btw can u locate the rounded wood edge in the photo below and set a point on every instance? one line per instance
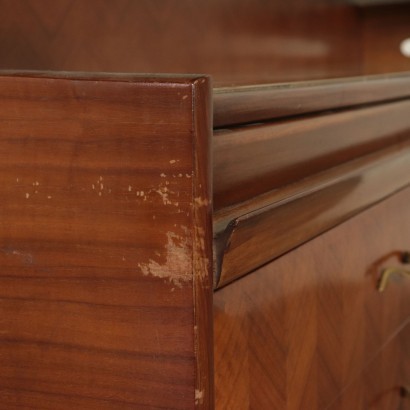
(269, 226)
(202, 242)
(251, 160)
(246, 104)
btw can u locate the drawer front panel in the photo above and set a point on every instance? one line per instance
(296, 332)
(384, 384)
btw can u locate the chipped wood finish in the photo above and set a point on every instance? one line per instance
(203, 245)
(257, 231)
(296, 333)
(105, 284)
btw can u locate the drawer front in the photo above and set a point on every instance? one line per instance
(385, 383)
(296, 332)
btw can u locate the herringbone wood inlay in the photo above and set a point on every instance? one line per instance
(298, 332)
(378, 386)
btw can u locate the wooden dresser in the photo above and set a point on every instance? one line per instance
(232, 241)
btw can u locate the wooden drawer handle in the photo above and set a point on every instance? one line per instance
(386, 273)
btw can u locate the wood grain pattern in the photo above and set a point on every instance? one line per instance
(246, 104)
(379, 386)
(202, 244)
(251, 160)
(104, 249)
(296, 332)
(254, 233)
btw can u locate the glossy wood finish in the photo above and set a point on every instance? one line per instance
(297, 332)
(202, 253)
(249, 161)
(105, 285)
(245, 104)
(106, 210)
(258, 231)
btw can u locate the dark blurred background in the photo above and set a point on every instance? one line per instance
(236, 41)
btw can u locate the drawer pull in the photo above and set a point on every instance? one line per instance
(385, 276)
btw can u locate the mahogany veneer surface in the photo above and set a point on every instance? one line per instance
(106, 205)
(253, 103)
(297, 332)
(379, 386)
(251, 160)
(104, 242)
(261, 229)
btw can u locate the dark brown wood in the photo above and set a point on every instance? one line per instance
(377, 2)
(105, 284)
(384, 28)
(246, 41)
(297, 332)
(240, 42)
(245, 104)
(249, 161)
(258, 231)
(202, 254)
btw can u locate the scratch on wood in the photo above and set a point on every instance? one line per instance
(177, 266)
(201, 261)
(201, 202)
(26, 257)
(163, 192)
(199, 396)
